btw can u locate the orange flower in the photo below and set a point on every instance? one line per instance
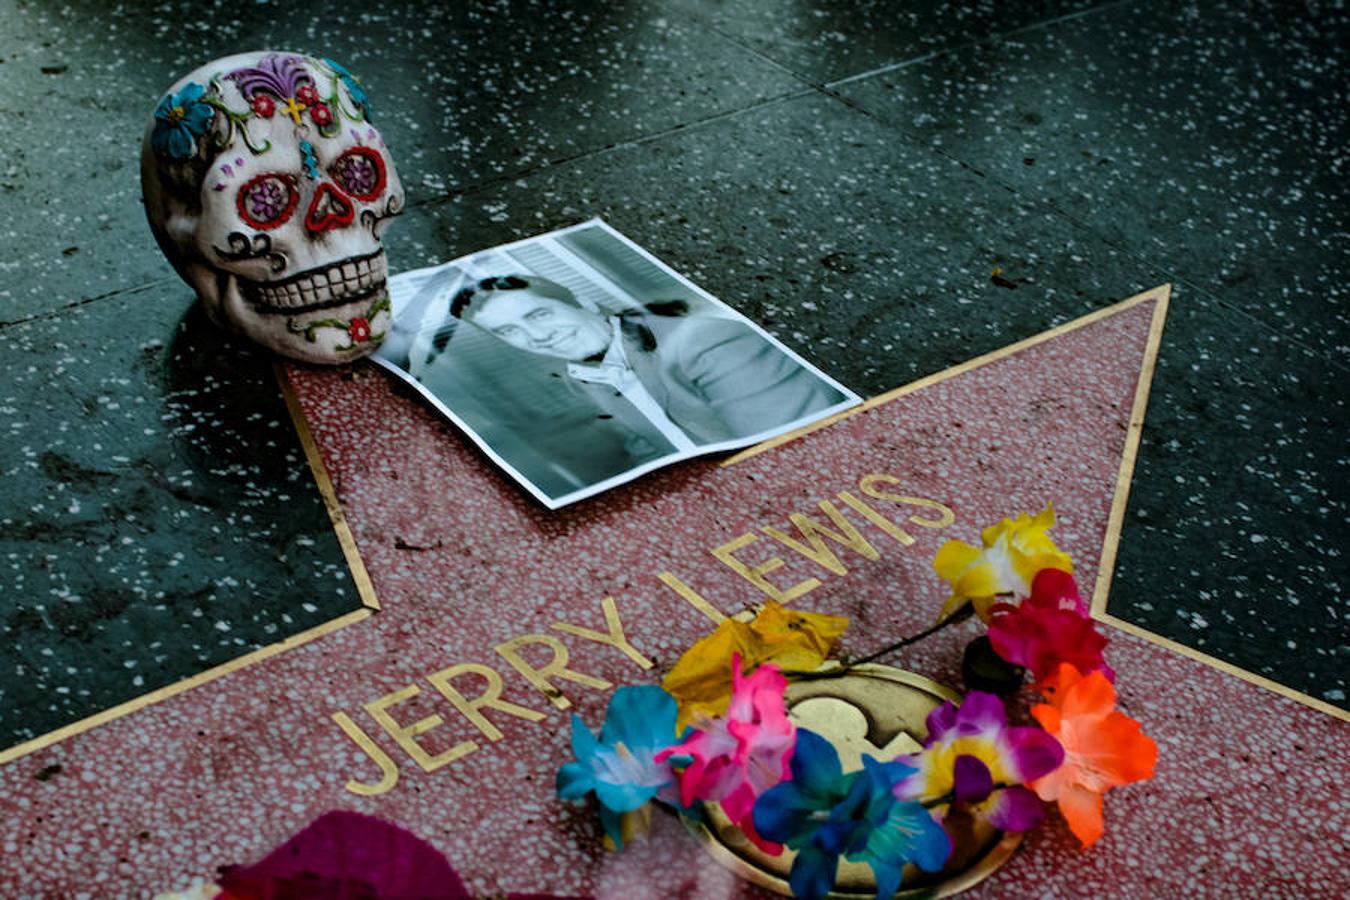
(1102, 748)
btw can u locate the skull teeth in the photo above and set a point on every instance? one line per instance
(346, 282)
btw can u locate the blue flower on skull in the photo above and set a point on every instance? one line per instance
(180, 119)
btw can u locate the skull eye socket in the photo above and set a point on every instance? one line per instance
(359, 172)
(267, 201)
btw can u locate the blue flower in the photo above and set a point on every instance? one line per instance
(354, 88)
(620, 767)
(824, 814)
(180, 119)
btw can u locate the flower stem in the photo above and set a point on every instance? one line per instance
(846, 663)
(960, 615)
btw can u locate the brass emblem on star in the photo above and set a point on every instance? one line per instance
(879, 711)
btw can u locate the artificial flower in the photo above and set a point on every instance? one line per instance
(1103, 748)
(264, 105)
(1049, 627)
(180, 119)
(736, 758)
(354, 88)
(621, 767)
(306, 94)
(792, 640)
(346, 854)
(971, 756)
(823, 814)
(321, 114)
(1014, 551)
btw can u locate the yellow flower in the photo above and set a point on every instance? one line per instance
(792, 640)
(1013, 552)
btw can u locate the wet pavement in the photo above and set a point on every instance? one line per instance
(890, 188)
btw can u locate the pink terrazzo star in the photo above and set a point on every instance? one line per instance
(1246, 797)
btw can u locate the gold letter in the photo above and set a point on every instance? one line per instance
(755, 574)
(813, 531)
(694, 598)
(556, 667)
(945, 515)
(877, 519)
(490, 698)
(614, 639)
(405, 735)
(388, 771)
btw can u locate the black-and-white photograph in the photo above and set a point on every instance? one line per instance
(578, 361)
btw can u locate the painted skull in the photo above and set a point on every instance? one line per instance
(269, 190)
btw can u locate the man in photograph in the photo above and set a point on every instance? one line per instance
(699, 379)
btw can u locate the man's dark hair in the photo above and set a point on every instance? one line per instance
(459, 304)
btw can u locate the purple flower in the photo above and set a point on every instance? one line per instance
(357, 174)
(265, 201)
(973, 757)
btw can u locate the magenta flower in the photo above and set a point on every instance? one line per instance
(347, 854)
(972, 757)
(737, 757)
(1048, 628)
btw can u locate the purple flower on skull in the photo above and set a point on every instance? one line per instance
(281, 77)
(266, 200)
(357, 174)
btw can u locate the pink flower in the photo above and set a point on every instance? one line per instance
(1049, 627)
(740, 756)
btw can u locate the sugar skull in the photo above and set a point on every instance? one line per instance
(269, 190)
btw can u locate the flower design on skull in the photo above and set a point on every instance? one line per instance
(353, 85)
(360, 173)
(278, 233)
(180, 119)
(277, 78)
(267, 200)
